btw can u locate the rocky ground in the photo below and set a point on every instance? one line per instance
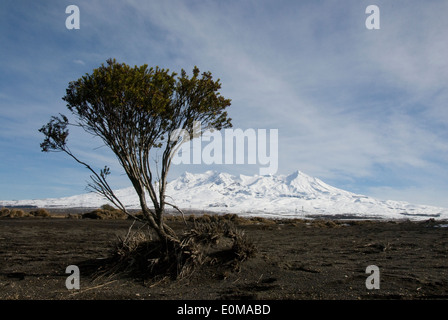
(296, 259)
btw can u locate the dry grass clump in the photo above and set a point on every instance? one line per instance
(42, 213)
(229, 217)
(220, 241)
(4, 212)
(213, 218)
(212, 244)
(13, 213)
(325, 223)
(19, 213)
(105, 212)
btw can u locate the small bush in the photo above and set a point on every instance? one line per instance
(19, 213)
(4, 212)
(103, 214)
(108, 207)
(217, 243)
(221, 236)
(43, 213)
(13, 213)
(96, 214)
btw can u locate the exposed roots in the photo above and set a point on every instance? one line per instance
(139, 256)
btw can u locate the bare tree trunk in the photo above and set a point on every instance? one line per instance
(167, 235)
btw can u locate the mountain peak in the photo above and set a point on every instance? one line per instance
(297, 174)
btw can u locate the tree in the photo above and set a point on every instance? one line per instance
(135, 111)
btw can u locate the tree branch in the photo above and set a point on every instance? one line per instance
(177, 208)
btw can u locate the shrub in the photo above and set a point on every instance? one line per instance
(4, 212)
(216, 233)
(218, 242)
(40, 213)
(19, 213)
(108, 207)
(13, 213)
(103, 214)
(74, 216)
(96, 214)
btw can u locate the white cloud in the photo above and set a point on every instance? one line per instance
(301, 72)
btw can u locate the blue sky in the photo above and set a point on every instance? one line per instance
(363, 110)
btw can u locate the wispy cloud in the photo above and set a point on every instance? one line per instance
(79, 62)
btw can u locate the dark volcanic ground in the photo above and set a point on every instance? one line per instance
(296, 259)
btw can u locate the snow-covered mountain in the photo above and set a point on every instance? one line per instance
(294, 195)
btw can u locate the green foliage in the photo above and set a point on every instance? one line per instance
(138, 107)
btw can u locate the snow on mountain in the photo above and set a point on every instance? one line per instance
(294, 195)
